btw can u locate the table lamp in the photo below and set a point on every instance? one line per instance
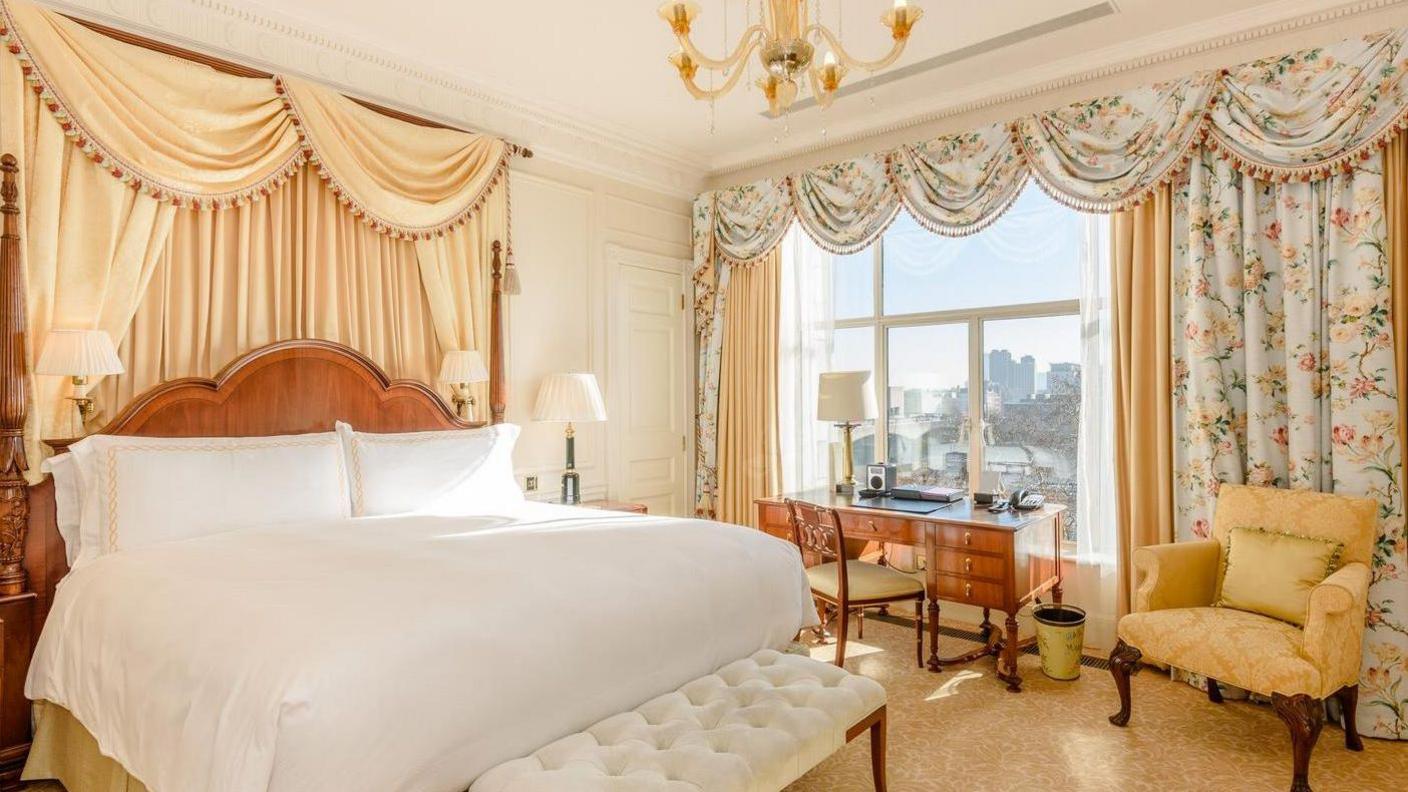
(847, 398)
(79, 354)
(570, 397)
(458, 369)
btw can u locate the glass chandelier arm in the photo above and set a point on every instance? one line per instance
(750, 40)
(704, 93)
(856, 63)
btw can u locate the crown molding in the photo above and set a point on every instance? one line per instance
(281, 45)
(1248, 25)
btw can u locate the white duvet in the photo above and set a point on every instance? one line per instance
(399, 653)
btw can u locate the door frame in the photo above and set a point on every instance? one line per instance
(617, 257)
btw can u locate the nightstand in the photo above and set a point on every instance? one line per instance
(611, 505)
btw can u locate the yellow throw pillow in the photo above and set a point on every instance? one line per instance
(1272, 573)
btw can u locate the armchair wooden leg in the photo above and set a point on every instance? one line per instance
(1214, 693)
(1304, 716)
(1124, 663)
(860, 623)
(1348, 698)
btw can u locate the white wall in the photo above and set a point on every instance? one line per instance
(563, 221)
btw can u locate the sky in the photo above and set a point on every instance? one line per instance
(1031, 254)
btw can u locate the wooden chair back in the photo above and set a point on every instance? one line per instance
(817, 532)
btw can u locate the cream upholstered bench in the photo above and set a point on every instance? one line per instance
(755, 725)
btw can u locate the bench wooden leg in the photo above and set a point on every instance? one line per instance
(875, 723)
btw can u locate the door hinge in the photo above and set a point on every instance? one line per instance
(681, 302)
(684, 443)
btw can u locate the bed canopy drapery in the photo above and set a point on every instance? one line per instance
(117, 144)
(1301, 134)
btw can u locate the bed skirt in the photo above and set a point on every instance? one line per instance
(64, 751)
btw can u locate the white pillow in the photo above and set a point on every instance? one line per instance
(460, 471)
(68, 500)
(144, 490)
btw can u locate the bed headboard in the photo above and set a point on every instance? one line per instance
(289, 387)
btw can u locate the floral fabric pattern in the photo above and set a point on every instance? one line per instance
(1313, 111)
(958, 184)
(1107, 153)
(750, 220)
(1284, 371)
(846, 205)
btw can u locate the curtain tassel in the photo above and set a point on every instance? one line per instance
(511, 284)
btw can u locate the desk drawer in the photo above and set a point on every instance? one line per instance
(772, 518)
(878, 528)
(975, 539)
(974, 592)
(973, 565)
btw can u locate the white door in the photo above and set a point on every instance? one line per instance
(647, 401)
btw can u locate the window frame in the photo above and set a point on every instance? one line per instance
(973, 318)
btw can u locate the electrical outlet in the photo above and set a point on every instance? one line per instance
(531, 484)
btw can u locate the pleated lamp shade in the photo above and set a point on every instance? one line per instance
(78, 353)
(569, 397)
(462, 365)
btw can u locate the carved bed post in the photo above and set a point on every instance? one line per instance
(14, 490)
(498, 399)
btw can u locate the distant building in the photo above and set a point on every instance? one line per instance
(1016, 379)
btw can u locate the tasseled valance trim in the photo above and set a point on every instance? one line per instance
(365, 214)
(304, 154)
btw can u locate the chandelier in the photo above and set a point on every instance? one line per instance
(786, 46)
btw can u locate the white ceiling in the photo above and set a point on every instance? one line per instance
(551, 72)
(604, 61)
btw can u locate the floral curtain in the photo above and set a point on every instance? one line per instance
(1284, 370)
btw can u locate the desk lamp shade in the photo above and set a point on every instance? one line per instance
(843, 396)
(846, 397)
(570, 397)
(458, 369)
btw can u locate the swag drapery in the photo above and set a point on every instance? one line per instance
(1286, 153)
(223, 212)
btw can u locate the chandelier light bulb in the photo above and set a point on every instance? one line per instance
(829, 59)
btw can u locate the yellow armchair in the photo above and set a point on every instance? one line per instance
(1175, 620)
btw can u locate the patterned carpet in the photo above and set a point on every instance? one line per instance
(962, 730)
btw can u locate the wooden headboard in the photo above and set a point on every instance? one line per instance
(289, 387)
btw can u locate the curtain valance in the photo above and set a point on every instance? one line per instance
(189, 135)
(1297, 117)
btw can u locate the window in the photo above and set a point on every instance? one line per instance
(976, 344)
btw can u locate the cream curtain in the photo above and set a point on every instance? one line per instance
(455, 270)
(1396, 220)
(295, 265)
(750, 456)
(90, 245)
(1140, 248)
(178, 128)
(418, 178)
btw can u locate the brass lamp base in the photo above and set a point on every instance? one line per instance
(847, 484)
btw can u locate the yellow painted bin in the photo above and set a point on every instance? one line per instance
(1060, 635)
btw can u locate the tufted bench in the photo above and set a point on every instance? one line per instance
(755, 725)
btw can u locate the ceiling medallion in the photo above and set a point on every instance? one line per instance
(786, 46)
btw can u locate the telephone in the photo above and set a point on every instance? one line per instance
(1023, 499)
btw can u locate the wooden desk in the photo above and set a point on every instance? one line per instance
(996, 561)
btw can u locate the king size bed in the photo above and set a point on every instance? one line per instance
(263, 599)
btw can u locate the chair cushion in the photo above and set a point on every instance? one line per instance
(1272, 573)
(865, 581)
(1248, 650)
(756, 724)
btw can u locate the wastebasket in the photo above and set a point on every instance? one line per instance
(1060, 634)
